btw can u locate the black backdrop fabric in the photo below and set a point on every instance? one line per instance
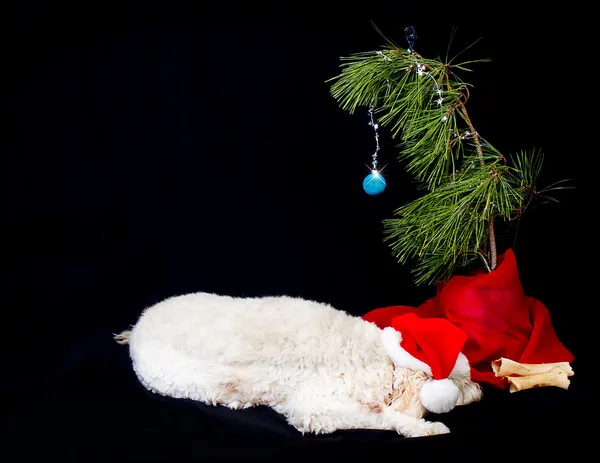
(152, 150)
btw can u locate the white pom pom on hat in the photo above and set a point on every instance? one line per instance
(434, 346)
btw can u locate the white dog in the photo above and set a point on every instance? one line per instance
(321, 368)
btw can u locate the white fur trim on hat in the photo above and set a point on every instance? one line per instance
(391, 340)
(461, 367)
(439, 396)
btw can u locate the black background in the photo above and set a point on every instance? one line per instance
(153, 149)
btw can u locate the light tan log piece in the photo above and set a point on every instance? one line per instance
(557, 377)
(521, 376)
(506, 367)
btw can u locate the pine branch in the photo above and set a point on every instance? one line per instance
(467, 183)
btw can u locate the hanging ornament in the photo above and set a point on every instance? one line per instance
(374, 183)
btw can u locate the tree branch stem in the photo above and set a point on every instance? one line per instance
(477, 141)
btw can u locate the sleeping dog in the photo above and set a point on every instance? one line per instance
(320, 367)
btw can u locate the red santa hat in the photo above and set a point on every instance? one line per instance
(434, 346)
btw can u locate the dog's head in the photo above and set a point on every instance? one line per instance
(408, 385)
(415, 389)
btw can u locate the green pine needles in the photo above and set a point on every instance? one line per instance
(467, 184)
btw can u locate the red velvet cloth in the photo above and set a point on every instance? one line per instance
(499, 320)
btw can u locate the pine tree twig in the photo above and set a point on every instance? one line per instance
(492, 237)
(485, 261)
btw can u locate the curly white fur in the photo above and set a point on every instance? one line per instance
(321, 368)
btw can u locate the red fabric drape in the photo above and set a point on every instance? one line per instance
(499, 320)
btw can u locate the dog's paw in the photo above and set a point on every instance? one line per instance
(424, 428)
(438, 428)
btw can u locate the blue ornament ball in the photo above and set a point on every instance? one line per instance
(374, 183)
